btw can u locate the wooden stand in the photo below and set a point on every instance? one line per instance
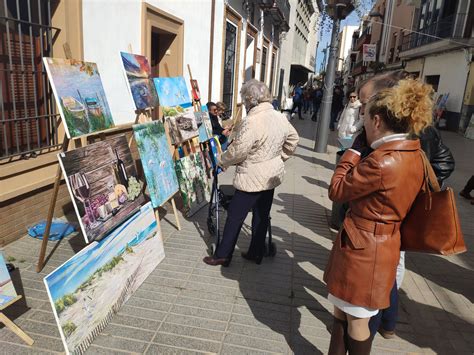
(12, 326)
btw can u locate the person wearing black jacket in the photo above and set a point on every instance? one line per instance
(217, 129)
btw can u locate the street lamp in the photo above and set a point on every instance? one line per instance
(337, 10)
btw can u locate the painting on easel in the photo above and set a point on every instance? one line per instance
(157, 161)
(193, 183)
(103, 184)
(88, 289)
(7, 290)
(138, 73)
(80, 96)
(181, 122)
(173, 92)
(204, 125)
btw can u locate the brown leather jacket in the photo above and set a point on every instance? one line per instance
(380, 190)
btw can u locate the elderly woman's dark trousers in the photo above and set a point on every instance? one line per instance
(241, 204)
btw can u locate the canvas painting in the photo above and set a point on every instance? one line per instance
(88, 289)
(138, 73)
(173, 92)
(181, 122)
(193, 183)
(7, 290)
(204, 126)
(103, 184)
(157, 161)
(79, 95)
(195, 90)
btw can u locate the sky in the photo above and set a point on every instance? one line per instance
(325, 36)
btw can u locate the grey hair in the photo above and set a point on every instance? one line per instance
(254, 92)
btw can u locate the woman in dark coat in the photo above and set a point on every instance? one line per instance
(380, 190)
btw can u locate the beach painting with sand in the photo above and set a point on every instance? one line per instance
(88, 289)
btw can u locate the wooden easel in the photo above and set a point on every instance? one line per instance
(12, 326)
(196, 103)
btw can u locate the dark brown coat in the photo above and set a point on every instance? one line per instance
(380, 190)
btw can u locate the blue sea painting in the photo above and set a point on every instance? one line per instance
(80, 96)
(138, 72)
(90, 287)
(7, 290)
(157, 161)
(173, 92)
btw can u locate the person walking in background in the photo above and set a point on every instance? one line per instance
(466, 192)
(349, 122)
(317, 99)
(362, 265)
(262, 143)
(307, 99)
(297, 100)
(336, 107)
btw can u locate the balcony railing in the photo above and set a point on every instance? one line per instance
(364, 38)
(279, 10)
(448, 27)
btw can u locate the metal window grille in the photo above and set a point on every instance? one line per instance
(28, 121)
(263, 68)
(229, 66)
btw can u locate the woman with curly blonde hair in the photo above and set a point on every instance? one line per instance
(380, 189)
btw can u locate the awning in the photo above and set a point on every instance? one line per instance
(302, 67)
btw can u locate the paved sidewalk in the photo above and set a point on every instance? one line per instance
(280, 306)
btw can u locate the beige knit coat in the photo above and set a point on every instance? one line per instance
(263, 141)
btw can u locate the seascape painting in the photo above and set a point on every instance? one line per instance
(138, 73)
(79, 95)
(103, 184)
(193, 183)
(157, 161)
(204, 126)
(88, 289)
(7, 289)
(173, 92)
(181, 122)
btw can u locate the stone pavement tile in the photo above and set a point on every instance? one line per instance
(198, 286)
(269, 307)
(142, 312)
(164, 350)
(185, 262)
(155, 296)
(149, 304)
(215, 297)
(258, 313)
(41, 341)
(128, 332)
(18, 349)
(176, 275)
(192, 332)
(257, 332)
(200, 312)
(164, 281)
(262, 322)
(113, 342)
(97, 350)
(30, 326)
(191, 321)
(136, 322)
(150, 286)
(43, 316)
(212, 305)
(256, 343)
(186, 342)
(236, 350)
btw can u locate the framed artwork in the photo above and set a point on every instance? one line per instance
(79, 95)
(138, 73)
(157, 161)
(204, 125)
(181, 122)
(193, 182)
(88, 289)
(195, 90)
(7, 289)
(103, 184)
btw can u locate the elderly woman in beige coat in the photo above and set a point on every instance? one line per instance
(263, 141)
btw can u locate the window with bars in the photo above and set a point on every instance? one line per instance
(263, 69)
(28, 122)
(229, 66)
(272, 71)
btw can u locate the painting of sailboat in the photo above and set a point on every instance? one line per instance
(138, 74)
(173, 92)
(80, 96)
(88, 289)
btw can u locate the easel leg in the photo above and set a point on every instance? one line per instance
(49, 219)
(15, 329)
(175, 211)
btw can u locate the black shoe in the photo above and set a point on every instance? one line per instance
(210, 260)
(257, 259)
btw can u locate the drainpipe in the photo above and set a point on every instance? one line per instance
(211, 50)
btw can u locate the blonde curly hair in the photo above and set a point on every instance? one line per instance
(405, 108)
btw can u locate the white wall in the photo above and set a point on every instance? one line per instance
(103, 40)
(453, 69)
(345, 45)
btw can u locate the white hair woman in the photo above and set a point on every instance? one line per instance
(263, 141)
